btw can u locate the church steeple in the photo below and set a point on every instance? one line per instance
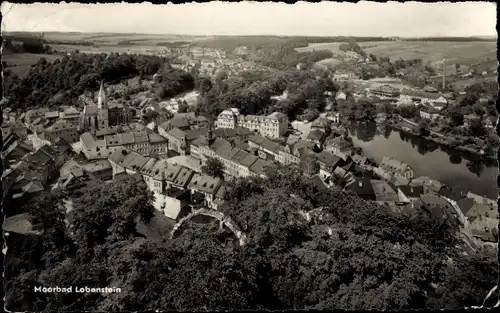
(101, 98)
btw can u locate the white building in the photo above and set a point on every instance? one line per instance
(275, 125)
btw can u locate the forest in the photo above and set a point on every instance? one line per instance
(251, 92)
(308, 247)
(64, 80)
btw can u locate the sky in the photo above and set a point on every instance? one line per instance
(408, 19)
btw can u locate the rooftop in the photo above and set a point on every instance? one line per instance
(412, 192)
(393, 164)
(183, 177)
(205, 183)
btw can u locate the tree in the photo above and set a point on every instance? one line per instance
(203, 85)
(430, 69)
(476, 128)
(183, 107)
(213, 167)
(456, 119)
(423, 127)
(478, 109)
(110, 212)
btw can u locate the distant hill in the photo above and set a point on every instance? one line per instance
(455, 39)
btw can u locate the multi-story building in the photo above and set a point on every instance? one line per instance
(206, 185)
(275, 125)
(385, 91)
(327, 163)
(31, 115)
(61, 129)
(397, 168)
(173, 186)
(237, 162)
(266, 148)
(138, 141)
(292, 152)
(339, 146)
(233, 133)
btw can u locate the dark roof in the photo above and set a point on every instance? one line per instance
(361, 186)
(240, 155)
(259, 166)
(267, 143)
(465, 205)
(183, 177)
(192, 134)
(180, 122)
(328, 158)
(204, 183)
(451, 194)
(412, 192)
(316, 134)
(429, 199)
(220, 193)
(219, 143)
(488, 236)
(248, 160)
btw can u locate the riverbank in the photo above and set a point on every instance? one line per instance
(446, 141)
(459, 170)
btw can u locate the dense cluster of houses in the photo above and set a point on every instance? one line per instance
(211, 66)
(40, 143)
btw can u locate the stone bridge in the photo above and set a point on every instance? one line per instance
(226, 220)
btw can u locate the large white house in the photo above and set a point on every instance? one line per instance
(275, 125)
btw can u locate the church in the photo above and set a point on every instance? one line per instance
(102, 115)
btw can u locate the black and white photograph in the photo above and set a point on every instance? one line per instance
(228, 156)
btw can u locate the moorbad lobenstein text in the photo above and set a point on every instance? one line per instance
(76, 289)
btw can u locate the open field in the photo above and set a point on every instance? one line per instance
(455, 52)
(465, 53)
(328, 62)
(461, 84)
(109, 38)
(20, 63)
(332, 46)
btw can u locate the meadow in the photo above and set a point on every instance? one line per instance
(328, 62)
(106, 38)
(20, 63)
(466, 53)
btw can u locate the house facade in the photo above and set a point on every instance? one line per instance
(397, 168)
(275, 125)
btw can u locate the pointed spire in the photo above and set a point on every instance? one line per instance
(101, 100)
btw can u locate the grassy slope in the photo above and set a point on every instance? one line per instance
(466, 53)
(20, 63)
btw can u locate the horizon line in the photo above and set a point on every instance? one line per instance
(247, 35)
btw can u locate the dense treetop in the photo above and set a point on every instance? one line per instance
(62, 81)
(349, 253)
(251, 92)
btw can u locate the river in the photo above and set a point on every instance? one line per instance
(455, 169)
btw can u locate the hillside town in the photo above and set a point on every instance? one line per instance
(67, 148)
(157, 171)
